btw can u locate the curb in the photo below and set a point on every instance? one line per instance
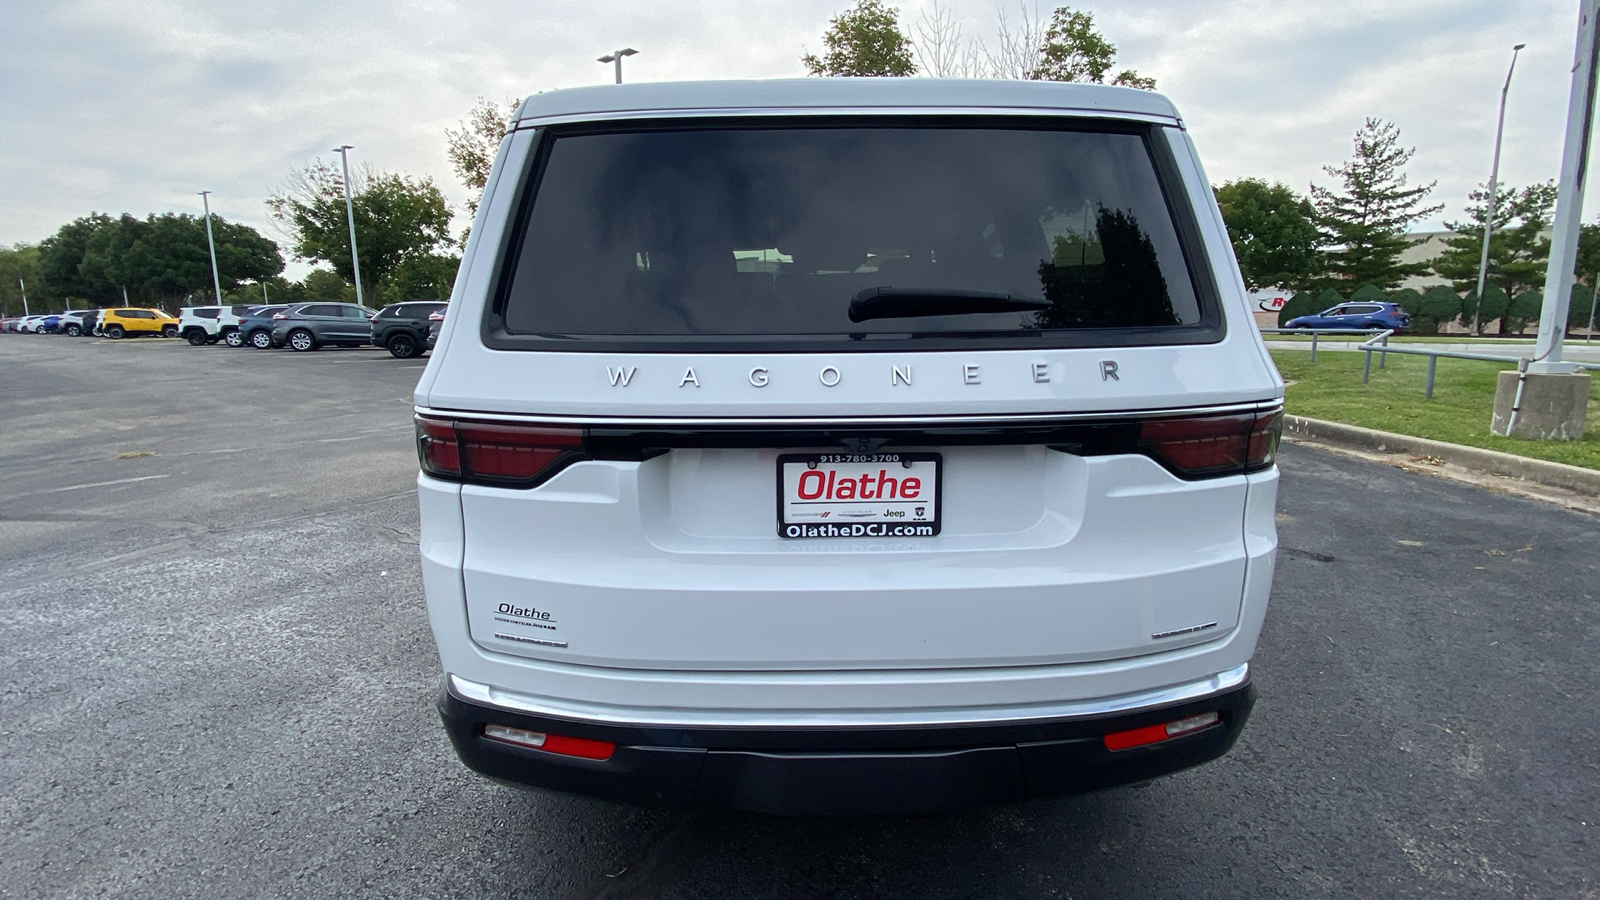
(1491, 462)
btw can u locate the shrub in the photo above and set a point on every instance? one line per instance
(1524, 308)
(1370, 294)
(1439, 306)
(1301, 304)
(1494, 305)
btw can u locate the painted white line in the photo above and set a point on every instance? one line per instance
(79, 487)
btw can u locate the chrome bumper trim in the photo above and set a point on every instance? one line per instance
(485, 695)
(961, 420)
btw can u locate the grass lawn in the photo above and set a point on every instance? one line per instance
(1488, 343)
(1463, 400)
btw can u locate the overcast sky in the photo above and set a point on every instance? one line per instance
(135, 105)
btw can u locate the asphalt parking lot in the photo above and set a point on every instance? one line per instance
(218, 681)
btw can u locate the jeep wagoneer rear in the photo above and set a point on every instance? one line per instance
(846, 445)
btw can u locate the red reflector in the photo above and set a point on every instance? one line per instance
(583, 748)
(492, 453)
(1213, 445)
(1154, 734)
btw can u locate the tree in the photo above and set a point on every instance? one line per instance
(397, 218)
(473, 146)
(19, 266)
(1494, 305)
(1370, 294)
(1073, 50)
(1301, 304)
(1439, 306)
(1518, 252)
(425, 277)
(1068, 48)
(1524, 308)
(163, 259)
(865, 40)
(61, 259)
(323, 284)
(1272, 231)
(1365, 222)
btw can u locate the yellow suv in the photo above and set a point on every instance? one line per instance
(117, 323)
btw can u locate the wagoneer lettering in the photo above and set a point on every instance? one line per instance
(794, 577)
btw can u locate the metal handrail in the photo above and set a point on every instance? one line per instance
(1369, 347)
(1317, 332)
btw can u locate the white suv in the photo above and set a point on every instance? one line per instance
(201, 325)
(846, 446)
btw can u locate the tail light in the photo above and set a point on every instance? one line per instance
(582, 748)
(1155, 734)
(1210, 446)
(495, 454)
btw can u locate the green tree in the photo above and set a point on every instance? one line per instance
(1073, 50)
(1409, 300)
(1272, 231)
(1518, 252)
(1301, 304)
(165, 259)
(61, 277)
(397, 218)
(472, 147)
(1494, 305)
(427, 277)
(1439, 306)
(1581, 306)
(1524, 308)
(323, 284)
(864, 40)
(1370, 293)
(19, 267)
(1367, 218)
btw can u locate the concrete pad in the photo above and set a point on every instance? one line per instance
(1552, 407)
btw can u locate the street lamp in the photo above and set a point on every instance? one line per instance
(1494, 185)
(616, 57)
(216, 282)
(350, 216)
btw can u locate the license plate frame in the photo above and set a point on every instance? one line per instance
(801, 516)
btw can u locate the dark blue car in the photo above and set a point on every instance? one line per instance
(255, 326)
(1356, 315)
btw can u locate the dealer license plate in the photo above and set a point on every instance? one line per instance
(858, 495)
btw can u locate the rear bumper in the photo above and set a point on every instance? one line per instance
(840, 770)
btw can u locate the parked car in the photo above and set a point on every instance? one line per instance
(902, 445)
(131, 321)
(1356, 315)
(47, 323)
(307, 326)
(91, 322)
(435, 322)
(255, 326)
(403, 327)
(71, 323)
(208, 324)
(30, 325)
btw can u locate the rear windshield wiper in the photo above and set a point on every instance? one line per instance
(900, 303)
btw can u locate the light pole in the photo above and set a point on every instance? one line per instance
(350, 215)
(1494, 186)
(24, 287)
(616, 57)
(205, 197)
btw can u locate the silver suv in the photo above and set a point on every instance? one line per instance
(307, 326)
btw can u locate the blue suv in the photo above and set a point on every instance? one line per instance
(1356, 315)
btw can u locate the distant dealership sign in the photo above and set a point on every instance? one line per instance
(1268, 301)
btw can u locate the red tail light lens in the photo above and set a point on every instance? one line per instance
(496, 454)
(1209, 446)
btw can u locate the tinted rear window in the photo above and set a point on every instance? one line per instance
(764, 234)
